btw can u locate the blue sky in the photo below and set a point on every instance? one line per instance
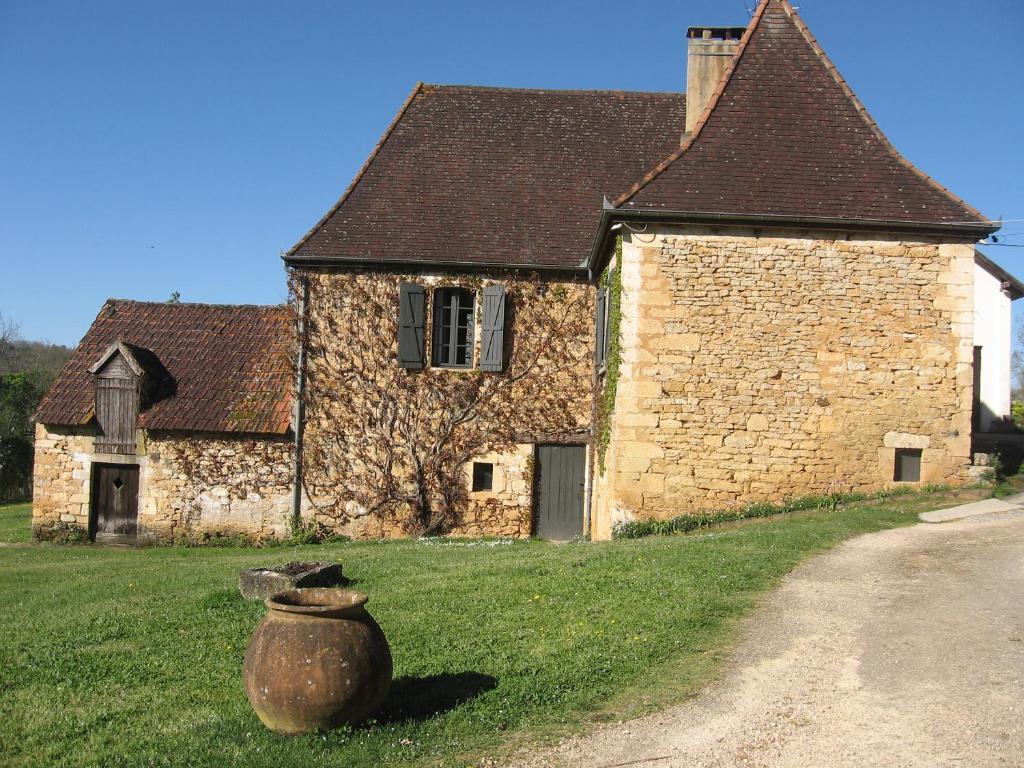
(153, 147)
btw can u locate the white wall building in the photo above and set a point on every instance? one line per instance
(994, 291)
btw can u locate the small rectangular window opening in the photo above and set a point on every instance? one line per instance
(908, 465)
(483, 475)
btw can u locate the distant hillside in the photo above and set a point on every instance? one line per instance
(34, 357)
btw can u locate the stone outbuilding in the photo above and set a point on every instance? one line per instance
(169, 421)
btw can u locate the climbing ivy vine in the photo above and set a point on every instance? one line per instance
(612, 281)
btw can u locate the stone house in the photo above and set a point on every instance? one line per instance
(540, 312)
(169, 421)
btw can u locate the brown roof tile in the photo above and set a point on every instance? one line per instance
(496, 175)
(229, 366)
(784, 135)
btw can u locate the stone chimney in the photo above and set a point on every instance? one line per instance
(710, 52)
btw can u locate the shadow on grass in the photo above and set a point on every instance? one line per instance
(421, 698)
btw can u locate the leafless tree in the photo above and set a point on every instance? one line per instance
(9, 333)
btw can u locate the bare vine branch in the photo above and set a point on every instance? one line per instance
(393, 443)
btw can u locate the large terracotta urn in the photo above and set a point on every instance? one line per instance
(318, 660)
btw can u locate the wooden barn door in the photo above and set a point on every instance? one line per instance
(115, 502)
(559, 484)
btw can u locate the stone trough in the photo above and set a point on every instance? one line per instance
(261, 583)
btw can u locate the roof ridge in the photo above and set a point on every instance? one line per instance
(515, 89)
(361, 172)
(194, 304)
(698, 127)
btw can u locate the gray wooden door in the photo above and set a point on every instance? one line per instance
(559, 484)
(115, 502)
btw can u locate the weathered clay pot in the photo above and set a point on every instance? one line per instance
(317, 660)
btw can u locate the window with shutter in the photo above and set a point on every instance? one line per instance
(601, 342)
(492, 334)
(411, 301)
(453, 327)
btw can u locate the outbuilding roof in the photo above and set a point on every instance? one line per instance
(226, 367)
(473, 176)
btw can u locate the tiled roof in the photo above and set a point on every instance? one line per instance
(229, 367)
(784, 135)
(472, 175)
(494, 175)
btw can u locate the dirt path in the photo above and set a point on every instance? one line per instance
(901, 648)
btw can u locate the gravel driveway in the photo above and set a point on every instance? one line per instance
(900, 648)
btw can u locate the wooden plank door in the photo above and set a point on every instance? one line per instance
(115, 502)
(559, 484)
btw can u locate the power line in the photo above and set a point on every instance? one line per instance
(983, 221)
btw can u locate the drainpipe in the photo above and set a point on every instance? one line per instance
(298, 406)
(591, 477)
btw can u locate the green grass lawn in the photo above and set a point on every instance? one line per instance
(133, 657)
(15, 522)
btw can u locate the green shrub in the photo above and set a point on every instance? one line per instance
(1017, 412)
(693, 521)
(315, 532)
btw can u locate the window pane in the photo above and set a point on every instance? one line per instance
(463, 354)
(445, 331)
(453, 327)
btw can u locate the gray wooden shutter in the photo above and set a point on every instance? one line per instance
(602, 332)
(411, 299)
(492, 337)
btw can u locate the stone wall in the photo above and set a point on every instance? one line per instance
(203, 485)
(759, 368)
(189, 486)
(60, 485)
(506, 509)
(364, 412)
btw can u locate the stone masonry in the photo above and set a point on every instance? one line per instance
(60, 505)
(212, 485)
(507, 510)
(189, 487)
(760, 368)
